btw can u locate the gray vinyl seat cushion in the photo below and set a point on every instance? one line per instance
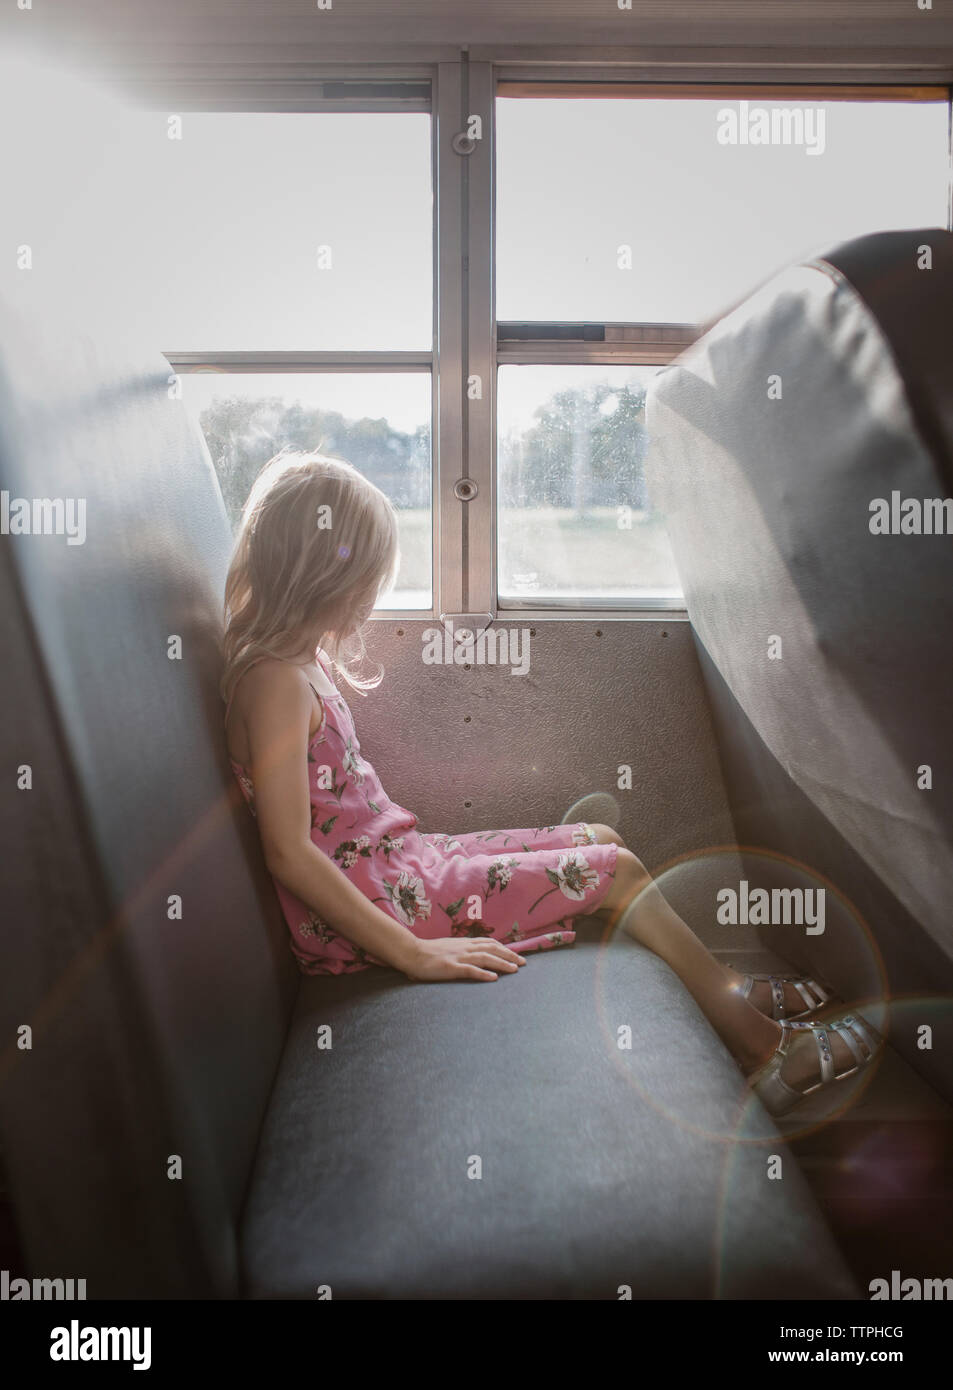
(601, 1167)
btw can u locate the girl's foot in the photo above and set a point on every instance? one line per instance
(765, 996)
(800, 1066)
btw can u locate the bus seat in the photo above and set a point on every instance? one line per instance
(802, 450)
(169, 1125)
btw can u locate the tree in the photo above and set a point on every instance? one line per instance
(587, 448)
(243, 434)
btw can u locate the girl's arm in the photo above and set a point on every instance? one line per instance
(278, 724)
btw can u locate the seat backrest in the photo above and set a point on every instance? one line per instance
(783, 443)
(142, 945)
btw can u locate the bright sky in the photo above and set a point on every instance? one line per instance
(706, 221)
(213, 241)
(403, 398)
(253, 231)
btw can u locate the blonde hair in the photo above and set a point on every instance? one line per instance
(317, 545)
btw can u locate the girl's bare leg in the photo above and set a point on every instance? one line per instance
(636, 906)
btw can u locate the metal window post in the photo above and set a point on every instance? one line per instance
(464, 375)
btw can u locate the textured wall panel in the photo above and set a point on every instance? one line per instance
(522, 750)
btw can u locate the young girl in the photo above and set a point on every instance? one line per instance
(358, 882)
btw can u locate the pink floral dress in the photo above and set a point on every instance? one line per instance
(521, 886)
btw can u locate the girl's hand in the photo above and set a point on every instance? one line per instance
(461, 958)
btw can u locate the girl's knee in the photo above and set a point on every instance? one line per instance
(630, 878)
(630, 869)
(605, 835)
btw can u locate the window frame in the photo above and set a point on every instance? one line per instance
(468, 343)
(326, 95)
(631, 343)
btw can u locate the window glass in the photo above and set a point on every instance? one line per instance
(575, 518)
(293, 231)
(379, 422)
(665, 210)
(252, 232)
